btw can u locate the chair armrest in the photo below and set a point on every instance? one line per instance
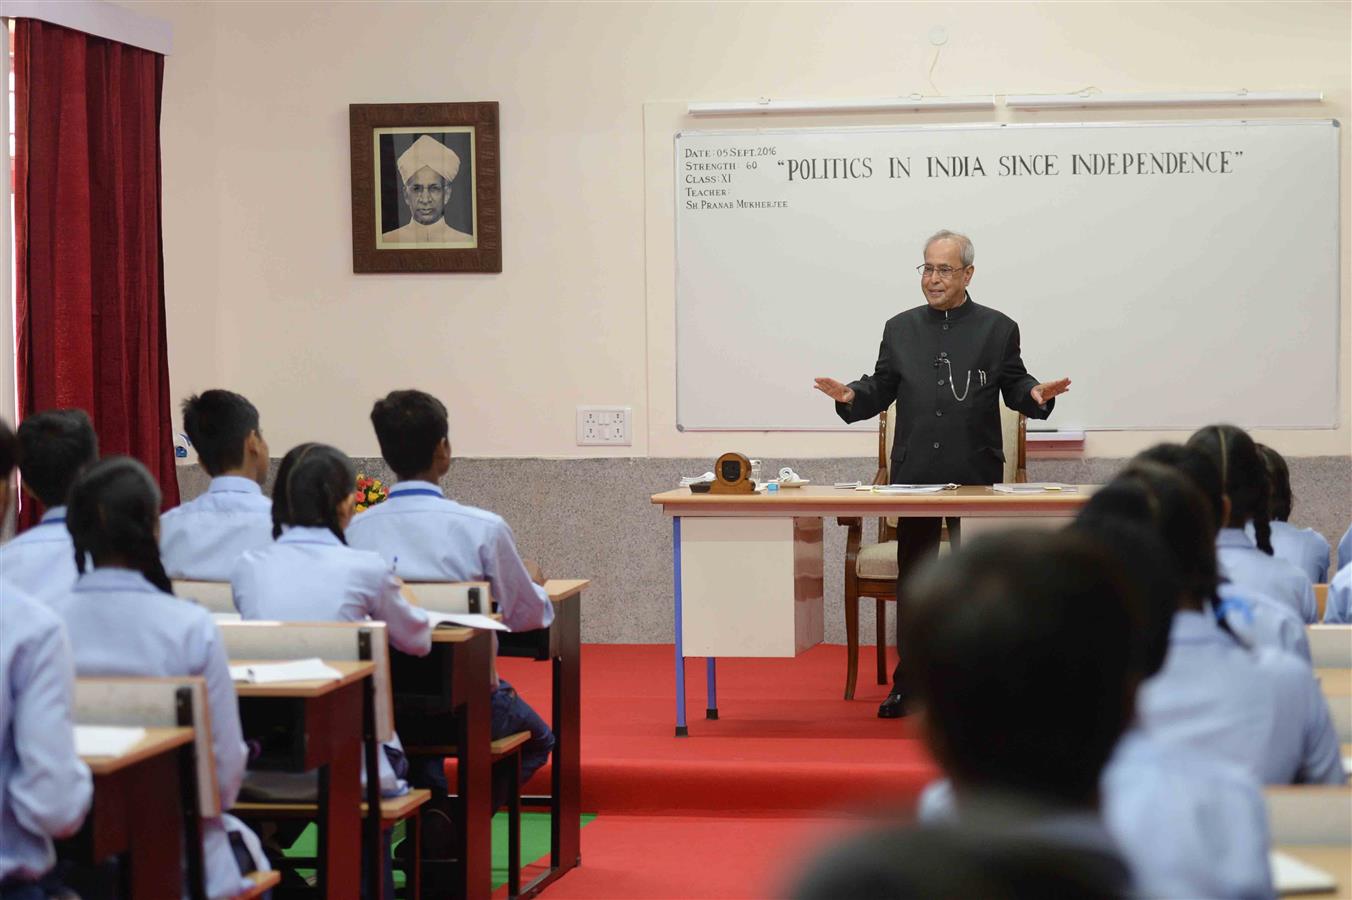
(852, 539)
(850, 521)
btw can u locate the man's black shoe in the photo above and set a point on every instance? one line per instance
(894, 707)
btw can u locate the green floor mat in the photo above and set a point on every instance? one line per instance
(534, 844)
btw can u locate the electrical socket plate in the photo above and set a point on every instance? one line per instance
(608, 425)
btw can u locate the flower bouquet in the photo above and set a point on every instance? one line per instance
(370, 491)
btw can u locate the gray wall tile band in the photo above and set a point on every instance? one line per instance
(591, 518)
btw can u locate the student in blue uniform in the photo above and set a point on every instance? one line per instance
(432, 538)
(1260, 709)
(1304, 548)
(1345, 549)
(1253, 617)
(44, 787)
(310, 574)
(1249, 563)
(1188, 824)
(123, 620)
(1338, 607)
(1024, 696)
(202, 539)
(54, 447)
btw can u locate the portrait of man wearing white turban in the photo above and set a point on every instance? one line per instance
(426, 171)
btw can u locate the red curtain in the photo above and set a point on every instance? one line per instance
(88, 248)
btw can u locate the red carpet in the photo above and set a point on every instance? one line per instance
(738, 807)
(785, 741)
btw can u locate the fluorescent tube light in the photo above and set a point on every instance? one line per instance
(766, 106)
(1198, 98)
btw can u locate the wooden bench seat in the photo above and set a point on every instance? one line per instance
(392, 809)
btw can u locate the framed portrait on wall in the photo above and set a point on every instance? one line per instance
(425, 187)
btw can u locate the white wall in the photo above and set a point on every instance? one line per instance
(261, 296)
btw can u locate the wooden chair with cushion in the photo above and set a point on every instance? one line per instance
(871, 569)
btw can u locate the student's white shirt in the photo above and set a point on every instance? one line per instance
(1186, 825)
(44, 787)
(41, 561)
(1338, 606)
(1304, 548)
(308, 575)
(1345, 549)
(204, 538)
(1264, 622)
(430, 538)
(1251, 569)
(122, 625)
(1259, 709)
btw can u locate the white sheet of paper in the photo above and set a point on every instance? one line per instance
(466, 620)
(1291, 876)
(312, 669)
(106, 740)
(226, 617)
(1032, 487)
(909, 488)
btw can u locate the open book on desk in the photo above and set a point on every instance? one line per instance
(465, 620)
(312, 669)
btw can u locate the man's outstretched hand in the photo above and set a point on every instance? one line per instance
(1047, 390)
(835, 390)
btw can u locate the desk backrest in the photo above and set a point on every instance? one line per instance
(451, 596)
(1321, 599)
(214, 595)
(1310, 814)
(338, 641)
(156, 703)
(1330, 646)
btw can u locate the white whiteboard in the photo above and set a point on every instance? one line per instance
(1170, 299)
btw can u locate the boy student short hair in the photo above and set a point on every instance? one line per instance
(218, 423)
(409, 425)
(1244, 476)
(1279, 477)
(114, 510)
(54, 447)
(1023, 642)
(9, 450)
(312, 481)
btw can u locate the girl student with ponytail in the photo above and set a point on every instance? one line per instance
(1249, 562)
(1260, 709)
(1304, 548)
(123, 620)
(1255, 619)
(310, 574)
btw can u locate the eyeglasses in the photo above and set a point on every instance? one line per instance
(944, 272)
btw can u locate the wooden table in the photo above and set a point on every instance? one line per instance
(305, 725)
(561, 645)
(747, 568)
(138, 811)
(443, 706)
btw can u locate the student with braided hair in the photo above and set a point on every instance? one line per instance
(1304, 548)
(1249, 562)
(1260, 709)
(310, 574)
(1255, 619)
(123, 620)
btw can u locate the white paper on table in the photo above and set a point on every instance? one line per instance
(910, 488)
(226, 617)
(466, 620)
(1033, 487)
(106, 740)
(311, 669)
(1291, 876)
(687, 480)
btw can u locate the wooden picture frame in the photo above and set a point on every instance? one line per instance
(426, 195)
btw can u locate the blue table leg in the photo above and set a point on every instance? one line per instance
(681, 730)
(711, 711)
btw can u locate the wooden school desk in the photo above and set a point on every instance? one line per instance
(747, 568)
(138, 811)
(321, 728)
(561, 645)
(1313, 823)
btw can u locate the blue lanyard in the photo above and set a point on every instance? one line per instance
(413, 492)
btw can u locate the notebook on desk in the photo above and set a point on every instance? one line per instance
(1291, 876)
